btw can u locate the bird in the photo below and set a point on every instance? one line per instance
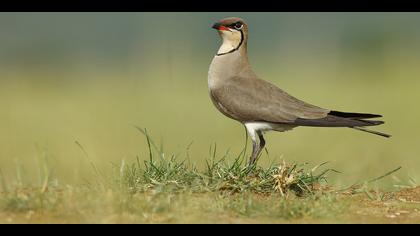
(238, 93)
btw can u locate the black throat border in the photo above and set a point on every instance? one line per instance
(235, 49)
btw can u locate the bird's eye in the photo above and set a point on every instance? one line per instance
(238, 25)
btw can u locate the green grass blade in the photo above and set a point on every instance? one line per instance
(144, 132)
(92, 164)
(385, 175)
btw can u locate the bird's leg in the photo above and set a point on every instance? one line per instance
(257, 148)
(262, 140)
(255, 152)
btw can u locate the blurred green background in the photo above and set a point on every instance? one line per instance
(89, 77)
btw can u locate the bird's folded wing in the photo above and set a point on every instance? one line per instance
(258, 100)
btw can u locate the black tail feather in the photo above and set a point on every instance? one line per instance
(353, 115)
(372, 122)
(372, 132)
(335, 121)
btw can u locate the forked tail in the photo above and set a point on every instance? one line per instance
(352, 120)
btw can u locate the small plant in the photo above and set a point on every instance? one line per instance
(284, 178)
(163, 173)
(295, 178)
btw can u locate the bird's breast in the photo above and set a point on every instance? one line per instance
(222, 68)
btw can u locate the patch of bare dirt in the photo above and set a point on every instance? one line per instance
(395, 207)
(405, 195)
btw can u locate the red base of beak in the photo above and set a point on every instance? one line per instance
(218, 26)
(223, 28)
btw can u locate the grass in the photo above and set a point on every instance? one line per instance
(161, 172)
(164, 184)
(68, 204)
(168, 189)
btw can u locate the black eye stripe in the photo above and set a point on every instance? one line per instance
(236, 25)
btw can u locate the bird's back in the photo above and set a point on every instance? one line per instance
(254, 99)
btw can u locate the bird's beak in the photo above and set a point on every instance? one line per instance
(219, 26)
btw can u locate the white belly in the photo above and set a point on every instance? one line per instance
(254, 127)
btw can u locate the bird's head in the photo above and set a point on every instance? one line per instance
(234, 33)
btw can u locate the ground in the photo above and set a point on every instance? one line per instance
(71, 205)
(165, 189)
